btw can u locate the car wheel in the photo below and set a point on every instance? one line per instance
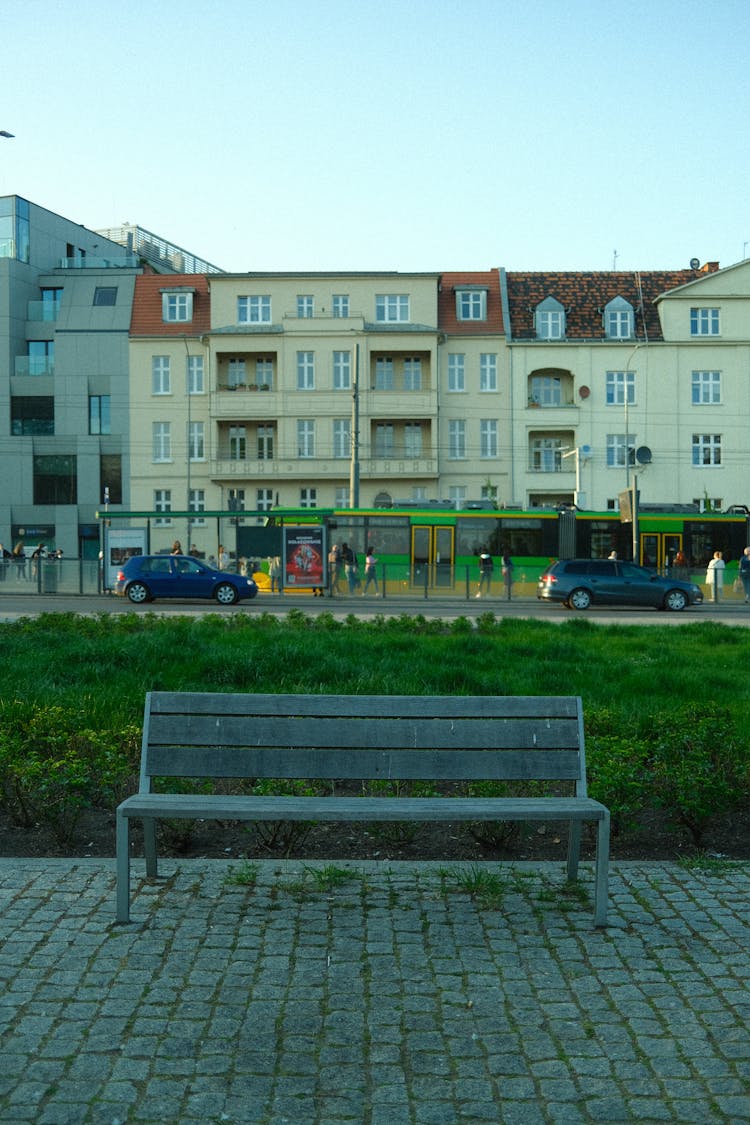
(226, 594)
(138, 593)
(675, 599)
(580, 599)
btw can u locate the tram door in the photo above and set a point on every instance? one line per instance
(659, 550)
(432, 548)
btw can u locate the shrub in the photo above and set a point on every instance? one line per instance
(699, 766)
(53, 766)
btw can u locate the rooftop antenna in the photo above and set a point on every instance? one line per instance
(614, 259)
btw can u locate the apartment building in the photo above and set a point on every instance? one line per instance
(318, 390)
(616, 378)
(66, 296)
(254, 391)
(65, 301)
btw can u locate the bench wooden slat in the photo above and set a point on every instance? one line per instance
(387, 733)
(365, 764)
(375, 706)
(207, 806)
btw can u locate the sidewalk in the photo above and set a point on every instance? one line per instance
(391, 997)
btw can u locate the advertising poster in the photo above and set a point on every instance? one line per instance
(121, 544)
(304, 557)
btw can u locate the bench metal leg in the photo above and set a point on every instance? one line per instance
(149, 845)
(122, 869)
(602, 872)
(574, 848)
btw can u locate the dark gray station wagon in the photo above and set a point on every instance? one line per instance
(579, 583)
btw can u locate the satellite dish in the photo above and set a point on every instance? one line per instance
(584, 450)
(695, 263)
(643, 455)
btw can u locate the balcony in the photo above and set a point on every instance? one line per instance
(38, 311)
(34, 365)
(323, 468)
(127, 261)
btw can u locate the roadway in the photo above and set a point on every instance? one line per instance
(14, 606)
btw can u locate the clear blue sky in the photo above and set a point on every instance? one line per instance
(428, 135)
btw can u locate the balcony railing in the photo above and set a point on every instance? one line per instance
(127, 261)
(43, 310)
(34, 365)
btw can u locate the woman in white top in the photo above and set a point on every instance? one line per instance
(715, 576)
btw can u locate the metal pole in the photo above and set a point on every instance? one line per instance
(354, 467)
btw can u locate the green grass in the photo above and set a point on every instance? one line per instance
(105, 664)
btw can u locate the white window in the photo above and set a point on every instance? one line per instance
(162, 503)
(197, 503)
(264, 372)
(471, 304)
(488, 372)
(488, 492)
(412, 373)
(264, 499)
(197, 441)
(488, 437)
(706, 388)
(265, 436)
(196, 382)
(384, 373)
(456, 440)
(546, 455)
(305, 306)
(177, 306)
(456, 373)
(545, 390)
(308, 498)
(305, 437)
(706, 449)
(237, 443)
(617, 444)
(704, 322)
(384, 440)
(305, 371)
(161, 382)
(342, 437)
(253, 310)
(341, 304)
(341, 496)
(457, 493)
(161, 433)
(391, 308)
(413, 439)
(618, 319)
(619, 385)
(549, 320)
(236, 373)
(342, 371)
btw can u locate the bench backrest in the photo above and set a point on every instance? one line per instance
(369, 737)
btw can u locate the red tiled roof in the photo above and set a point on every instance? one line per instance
(447, 320)
(146, 318)
(584, 295)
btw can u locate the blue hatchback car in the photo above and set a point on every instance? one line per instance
(145, 577)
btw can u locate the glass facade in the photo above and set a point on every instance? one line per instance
(14, 228)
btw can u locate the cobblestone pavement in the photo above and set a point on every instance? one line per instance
(381, 994)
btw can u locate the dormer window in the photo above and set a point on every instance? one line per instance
(618, 319)
(549, 320)
(176, 305)
(471, 303)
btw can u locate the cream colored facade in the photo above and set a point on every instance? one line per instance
(688, 422)
(273, 420)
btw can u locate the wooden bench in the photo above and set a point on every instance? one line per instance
(344, 737)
